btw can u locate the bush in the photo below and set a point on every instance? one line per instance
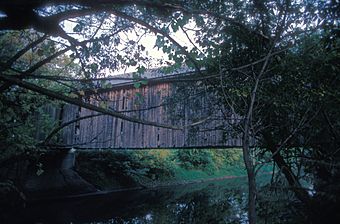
(227, 157)
(160, 163)
(132, 167)
(125, 168)
(196, 159)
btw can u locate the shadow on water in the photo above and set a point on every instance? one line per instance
(210, 202)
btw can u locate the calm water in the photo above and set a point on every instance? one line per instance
(210, 202)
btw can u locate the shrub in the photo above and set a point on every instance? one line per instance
(160, 163)
(196, 159)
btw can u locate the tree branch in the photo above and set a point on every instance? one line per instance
(153, 29)
(80, 103)
(57, 129)
(9, 63)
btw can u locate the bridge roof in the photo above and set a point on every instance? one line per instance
(158, 72)
(153, 76)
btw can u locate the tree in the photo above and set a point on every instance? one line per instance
(308, 137)
(254, 92)
(23, 110)
(246, 87)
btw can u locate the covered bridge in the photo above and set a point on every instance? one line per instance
(176, 100)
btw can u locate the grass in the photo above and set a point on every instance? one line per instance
(185, 174)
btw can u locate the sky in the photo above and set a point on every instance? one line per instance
(148, 41)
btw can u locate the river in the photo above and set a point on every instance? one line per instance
(222, 201)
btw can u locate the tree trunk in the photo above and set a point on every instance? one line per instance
(292, 179)
(247, 157)
(251, 180)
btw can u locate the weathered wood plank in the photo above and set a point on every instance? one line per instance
(110, 132)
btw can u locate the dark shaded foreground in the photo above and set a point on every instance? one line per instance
(210, 202)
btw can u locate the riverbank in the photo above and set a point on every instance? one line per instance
(58, 174)
(114, 170)
(85, 173)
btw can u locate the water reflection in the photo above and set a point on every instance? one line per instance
(214, 202)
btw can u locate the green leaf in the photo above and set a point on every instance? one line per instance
(94, 67)
(141, 70)
(159, 42)
(96, 47)
(142, 48)
(103, 104)
(107, 85)
(73, 95)
(133, 62)
(116, 41)
(144, 82)
(178, 59)
(77, 28)
(137, 85)
(174, 26)
(40, 52)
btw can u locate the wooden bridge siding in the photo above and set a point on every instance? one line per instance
(109, 132)
(69, 113)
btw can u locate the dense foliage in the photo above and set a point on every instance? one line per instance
(114, 169)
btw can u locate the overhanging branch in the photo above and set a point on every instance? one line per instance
(57, 129)
(58, 96)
